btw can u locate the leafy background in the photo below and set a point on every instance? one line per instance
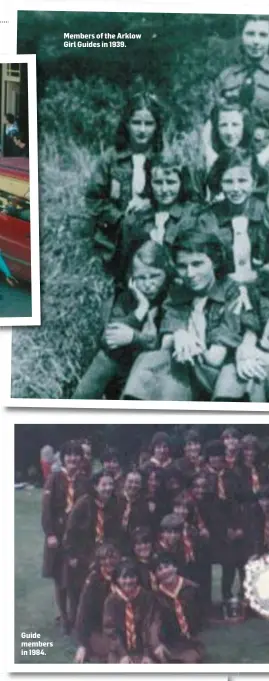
(80, 95)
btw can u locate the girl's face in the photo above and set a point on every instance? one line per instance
(143, 550)
(153, 483)
(196, 270)
(249, 455)
(199, 488)
(112, 466)
(260, 138)
(182, 512)
(148, 279)
(109, 562)
(170, 537)
(192, 452)
(173, 485)
(231, 443)
(72, 462)
(237, 184)
(128, 584)
(216, 462)
(255, 38)
(166, 573)
(165, 187)
(87, 449)
(231, 128)
(141, 126)
(133, 484)
(161, 451)
(104, 488)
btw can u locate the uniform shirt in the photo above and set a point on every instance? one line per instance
(255, 77)
(223, 326)
(257, 232)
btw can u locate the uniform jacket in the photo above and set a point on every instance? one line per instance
(256, 77)
(90, 610)
(80, 535)
(146, 619)
(54, 501)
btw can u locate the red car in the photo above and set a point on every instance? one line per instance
(15, 246)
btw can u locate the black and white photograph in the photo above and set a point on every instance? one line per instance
(141, 544)
(154, 209)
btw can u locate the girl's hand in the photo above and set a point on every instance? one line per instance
(160, 653)
(204, 533)
(52, 541)
(118, 335)
(80, 655)
(73, 562)
(137, 203)
(186, 347)
(250, 362)
(125, 660)
(146, 660)
(139, 296)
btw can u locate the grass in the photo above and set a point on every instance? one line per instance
(47, 361)
(35, 610)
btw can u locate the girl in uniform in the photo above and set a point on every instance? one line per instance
(62, 490)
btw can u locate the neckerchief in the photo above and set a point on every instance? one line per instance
(221, 487)
(188, 545)
(255, 481)
(130, 628)
(127, 512)
(100, 522)
(159, 464)
(182, 621)
(70, 493)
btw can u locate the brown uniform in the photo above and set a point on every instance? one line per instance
(132, 515)
(81, 536)
(55, 513)
(178, 629)
(89, 621)
(147, 624)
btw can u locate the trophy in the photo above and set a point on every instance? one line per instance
(257, 584)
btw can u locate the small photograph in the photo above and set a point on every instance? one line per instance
(154, 177)
(141, 544)
(19, 250)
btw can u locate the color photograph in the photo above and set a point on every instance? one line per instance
(154, 210)
(141, 544)
(18, 218)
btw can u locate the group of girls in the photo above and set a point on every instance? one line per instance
(131, 551)
(187, 246)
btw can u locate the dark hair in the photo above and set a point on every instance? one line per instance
(163, 558)
(214, 448)
(71, 447)
(231, 431)
(250, 441)
(216, 141)
(105, 549)
(153, 255)
(138, 101)
(209, 243)
(192, 435)
(253, 17)
(231, 159)
(125, 568)
(109, 454)
(10, 118)
(96, 477)
(141, 534)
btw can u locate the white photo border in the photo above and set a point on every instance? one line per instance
(69, 417)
